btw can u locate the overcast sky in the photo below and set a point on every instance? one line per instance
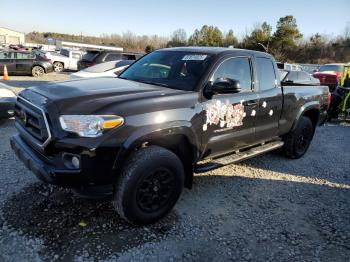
(163, 17)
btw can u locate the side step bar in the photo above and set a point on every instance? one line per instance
(204, 166)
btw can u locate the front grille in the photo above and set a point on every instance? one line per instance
(32, 120)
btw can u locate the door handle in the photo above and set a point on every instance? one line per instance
(251, 103)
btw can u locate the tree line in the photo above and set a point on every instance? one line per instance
(286, 43)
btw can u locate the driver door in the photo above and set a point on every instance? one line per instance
(230, 118)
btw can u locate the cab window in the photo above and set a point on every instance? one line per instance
(6, 55)
(266, 73)
(25, 56)
(236, 68)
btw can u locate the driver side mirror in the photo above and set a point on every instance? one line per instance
(226, 86)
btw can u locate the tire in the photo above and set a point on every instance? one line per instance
(58, 67)
(38, 71)
(149, 173)
(297, 142)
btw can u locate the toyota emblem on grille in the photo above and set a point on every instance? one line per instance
(23, 116)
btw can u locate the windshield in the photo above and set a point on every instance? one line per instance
(336, 68)
(90, 56)
(174, 69)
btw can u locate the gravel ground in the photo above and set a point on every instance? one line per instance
(265, 209)
(20, 82)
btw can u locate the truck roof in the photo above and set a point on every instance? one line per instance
(215, 50)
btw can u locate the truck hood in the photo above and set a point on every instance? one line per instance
(99, 95)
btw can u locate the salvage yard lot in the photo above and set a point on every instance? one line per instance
(27, 81)
(266, 208)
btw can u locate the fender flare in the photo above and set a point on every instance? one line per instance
(137, 138)
(151, 133)
(306, 107)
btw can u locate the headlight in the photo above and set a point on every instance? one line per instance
(89, 125)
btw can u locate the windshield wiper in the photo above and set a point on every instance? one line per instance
(153, 83)
(145, 82)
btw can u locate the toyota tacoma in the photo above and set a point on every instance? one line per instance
(172, 113)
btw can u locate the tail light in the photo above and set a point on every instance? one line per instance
(329, 99)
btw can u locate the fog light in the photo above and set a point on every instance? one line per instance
(11, 112)
(75, 162)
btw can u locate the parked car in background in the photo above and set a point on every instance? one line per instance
(7, 101)
(107, 69)
(24, 63)
(18, 47)
(330, 75)
(94, 57)
(65, 59)
(298, 78)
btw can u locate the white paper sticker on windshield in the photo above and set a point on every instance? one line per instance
(194, 57)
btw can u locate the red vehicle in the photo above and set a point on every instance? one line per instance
(330, 75)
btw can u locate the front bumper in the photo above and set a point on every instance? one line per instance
(94, 170)
(7, 105)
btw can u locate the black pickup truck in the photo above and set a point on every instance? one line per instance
(174, 112)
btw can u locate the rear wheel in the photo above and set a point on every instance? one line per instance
(58, 67)
(38, 71)
(149, 185)
(297, 142)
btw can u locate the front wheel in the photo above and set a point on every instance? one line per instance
(149, 185)
(38, 71)
(297, 142)
(58, 67)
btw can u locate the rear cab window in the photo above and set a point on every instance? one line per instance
(266, 73)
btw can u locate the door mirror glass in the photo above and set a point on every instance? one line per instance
(226, 85)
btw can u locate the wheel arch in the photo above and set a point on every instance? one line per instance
(34, 65)
(310, 110)
(181, 141)
(58, 62)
